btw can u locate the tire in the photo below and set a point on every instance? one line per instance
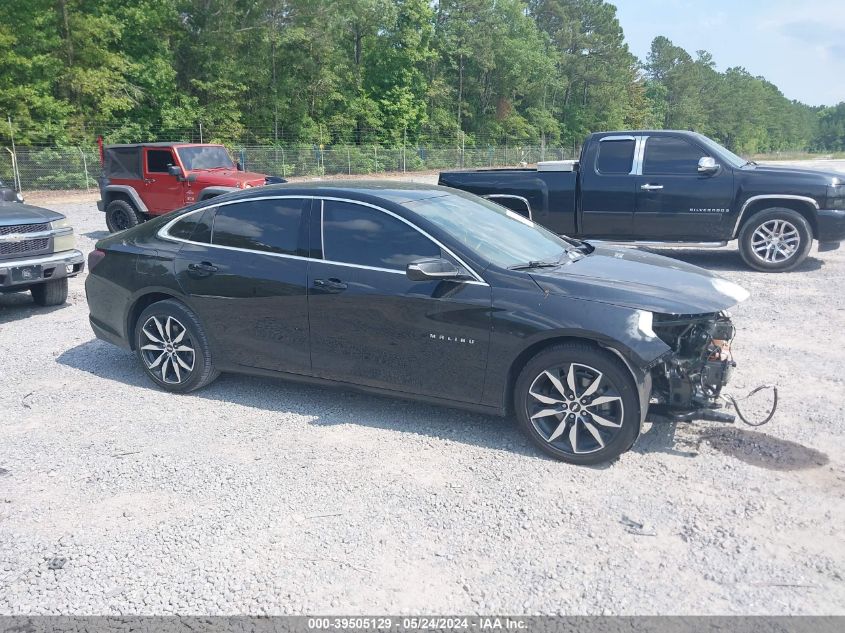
(50, 293)
(168, 327)
(603, 431)
(775, 240)
(120, 215)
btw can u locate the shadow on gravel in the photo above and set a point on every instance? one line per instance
(661, 438)
(97, 235)
(19, 305)
(726, 260)
(324, 406)
(327, 406)
(764, 451)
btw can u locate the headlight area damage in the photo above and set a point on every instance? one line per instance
(688, 381)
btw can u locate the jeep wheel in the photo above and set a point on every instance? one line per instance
(173, 347)
(775, 240)
(50, 293)
(120, 215)
(577, 404)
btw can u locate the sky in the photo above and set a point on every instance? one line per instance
(797, 45)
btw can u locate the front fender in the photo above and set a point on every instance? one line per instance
(522, 328)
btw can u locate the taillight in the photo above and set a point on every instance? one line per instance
(94, 258)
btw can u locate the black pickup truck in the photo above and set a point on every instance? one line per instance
(673, 188)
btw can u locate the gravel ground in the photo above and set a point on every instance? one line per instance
(261, 496)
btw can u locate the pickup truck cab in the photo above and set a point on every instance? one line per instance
(673, 188)
(144, 180)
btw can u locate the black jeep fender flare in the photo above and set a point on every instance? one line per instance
(213, 192)
(126, 190)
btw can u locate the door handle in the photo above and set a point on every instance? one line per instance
(205, 268)
(651, 187)
(149, 181)
(332, 285)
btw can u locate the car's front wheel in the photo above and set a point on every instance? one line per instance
(775, 240)
(173, 347)
(578, 404)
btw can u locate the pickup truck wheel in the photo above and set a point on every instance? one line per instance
(577, 404)
(120, 215)
(775, 240)
(173, 347)
(50, 293)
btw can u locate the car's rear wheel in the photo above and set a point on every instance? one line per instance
(173, 347)
(578, 404)
(50, 293)
(120, 215)
(775, 240)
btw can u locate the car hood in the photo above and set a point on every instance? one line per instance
(643, 281)
(809, 175)
(18, 213)
(228, 178)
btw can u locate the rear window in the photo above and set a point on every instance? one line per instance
(122, 162)
(195, 227)
(271, 226)
(615, 157)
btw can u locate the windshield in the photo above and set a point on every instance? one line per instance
(721, 152)
(495, 233)
(205, 158)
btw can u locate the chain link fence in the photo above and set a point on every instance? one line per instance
(77, 168)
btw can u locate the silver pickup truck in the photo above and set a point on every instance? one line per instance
(37, 252)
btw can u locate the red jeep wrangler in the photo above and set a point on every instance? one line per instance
(143, 180)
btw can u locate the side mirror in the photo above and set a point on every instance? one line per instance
(175, 170)
(433, 269)
(707, 165)
(238, 166)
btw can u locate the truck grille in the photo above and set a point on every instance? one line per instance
(25, 247)
(24, 228)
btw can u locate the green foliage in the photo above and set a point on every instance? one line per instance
(312, 74)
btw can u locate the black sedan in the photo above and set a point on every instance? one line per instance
(422, 292)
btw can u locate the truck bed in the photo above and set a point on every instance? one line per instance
(527, 191)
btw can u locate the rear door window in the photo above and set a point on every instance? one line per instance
(158, 160)
(194, 227)
(615, 157)
(273, 225)
(670, 155)
(355, 234)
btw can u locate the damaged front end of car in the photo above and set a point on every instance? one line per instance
(688, 380)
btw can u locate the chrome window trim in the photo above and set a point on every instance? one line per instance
(322, 233)
(771, 196)
(639, 156)
(163, 233)
(618, 137)
(507, 196)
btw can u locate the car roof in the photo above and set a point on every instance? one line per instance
(162, 144)
(397, 191)
(644, 132)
